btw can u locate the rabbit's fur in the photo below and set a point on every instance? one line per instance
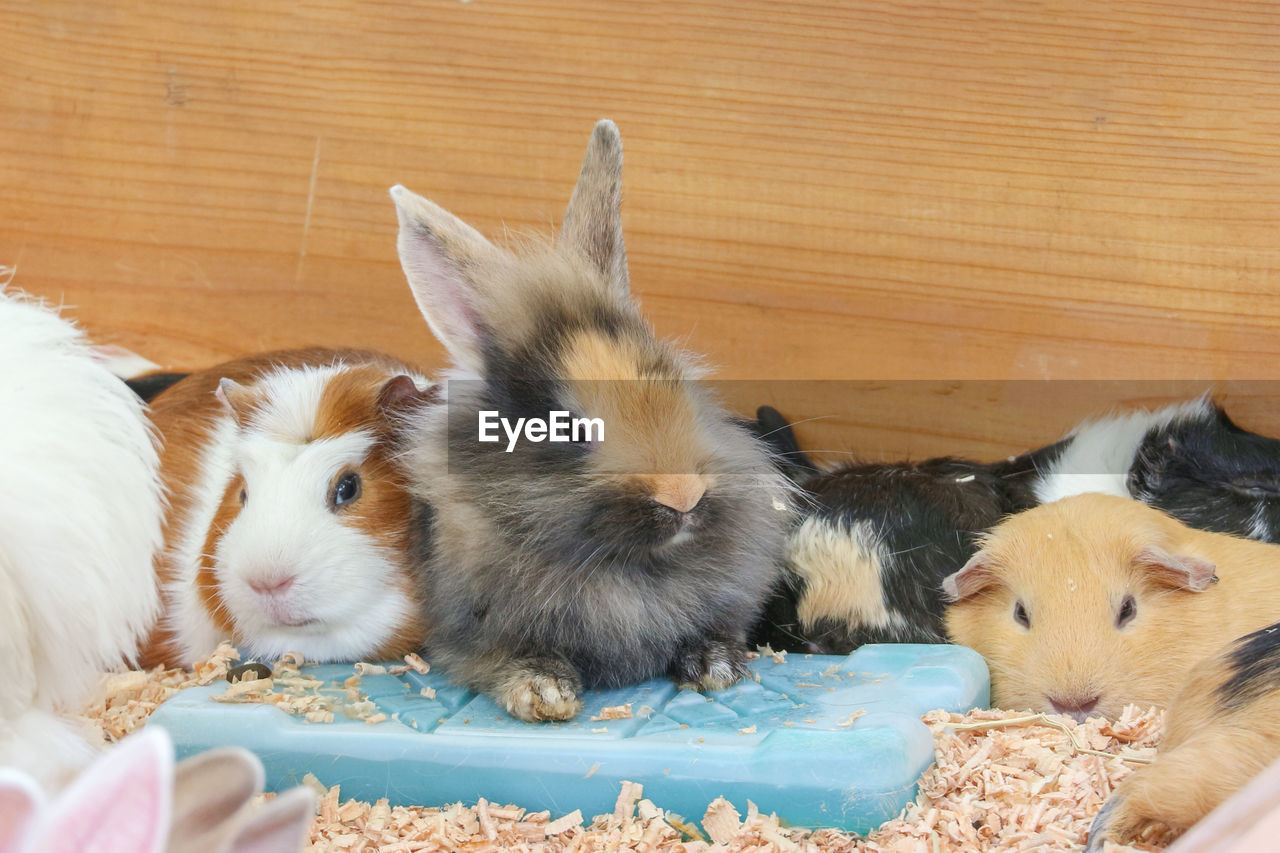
(556, 567)
(80, 520)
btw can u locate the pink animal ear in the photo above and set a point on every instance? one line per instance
(440, 255)
(1180, 571)
(20, 801)
(121, 804)
(236, 398)
(978, 575)
(279, 826)
(401, 393)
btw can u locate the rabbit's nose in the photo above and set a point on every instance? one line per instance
(680, 492)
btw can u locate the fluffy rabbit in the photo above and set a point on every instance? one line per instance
(289, 523)
(563, 565)
(134, 800)
(80, 519)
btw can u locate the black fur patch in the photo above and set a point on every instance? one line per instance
(926, 517)
(1254, 663)
(150, 386)
(1212, 475)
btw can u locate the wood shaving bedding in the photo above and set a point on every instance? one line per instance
(1002, 781)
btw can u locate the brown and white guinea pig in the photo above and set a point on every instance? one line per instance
(288, 523)
(1092, 602)
(555, 566)
(1223, 730)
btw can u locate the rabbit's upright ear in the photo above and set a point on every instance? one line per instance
(593, 223)
(20, 801)
(121, 804)
(279, 826)
(441, 256)
(209, 792)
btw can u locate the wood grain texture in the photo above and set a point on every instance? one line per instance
(814, 191)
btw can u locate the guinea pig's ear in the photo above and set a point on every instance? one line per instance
(1180, 571)
(237, 399)
(978, 574)
(593, 222)
(401, 393)
(441, 256)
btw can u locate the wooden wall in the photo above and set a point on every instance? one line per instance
(871, 191)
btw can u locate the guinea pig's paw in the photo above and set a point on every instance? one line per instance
(1117, 822)
(536, 694)
(713, 666)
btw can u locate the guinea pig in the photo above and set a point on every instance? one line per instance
(1223, 730)
(288, 527)
(865, 560)
(80, 519)
(1092, 602)
(1188, 459)
(642, 548)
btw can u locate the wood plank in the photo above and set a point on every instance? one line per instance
(936, 190)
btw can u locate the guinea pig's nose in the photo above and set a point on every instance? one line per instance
(1076, 709)
(264, 586)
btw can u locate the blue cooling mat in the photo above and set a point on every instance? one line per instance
(793, 740)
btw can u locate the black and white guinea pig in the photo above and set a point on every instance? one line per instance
(1189, 460)
(289, 521)
(872, 543)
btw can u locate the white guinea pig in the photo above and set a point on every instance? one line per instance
(80, 519)
(289, 523)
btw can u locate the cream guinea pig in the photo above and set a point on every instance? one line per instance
(289, 523)
(1092, 602)
(1223, 730)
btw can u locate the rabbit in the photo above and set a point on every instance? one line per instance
(551, 567)
(80, 521)
(288, 527)
(1223, 730)
(1092, 602)
(133, 799)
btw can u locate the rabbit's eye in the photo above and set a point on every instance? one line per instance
(1128, 610)
(345, 490)
(1020, 615)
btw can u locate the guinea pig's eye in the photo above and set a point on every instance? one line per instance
(1128, 610)
(1020, 615)
(346, 490)
(244, 496)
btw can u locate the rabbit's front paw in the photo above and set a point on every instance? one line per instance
(536, 694)
(714, 665)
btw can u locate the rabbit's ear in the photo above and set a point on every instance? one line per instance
(593, 223)
(440, 255)
(20, 801)
(121, 804)
(280, 826)
(209, 791)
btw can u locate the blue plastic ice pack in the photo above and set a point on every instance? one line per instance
(823, 741)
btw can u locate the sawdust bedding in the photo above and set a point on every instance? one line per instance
(1002, 782)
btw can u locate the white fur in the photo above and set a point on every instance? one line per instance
(1102, 451)
(344, 588)
(80, 520)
